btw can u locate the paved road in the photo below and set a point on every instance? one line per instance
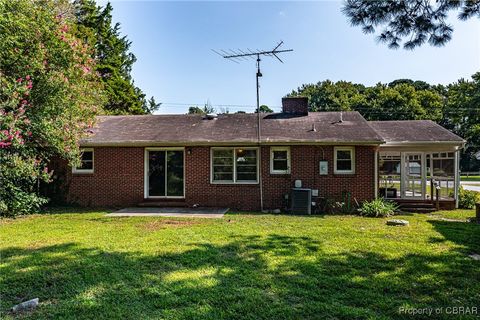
(471, 185)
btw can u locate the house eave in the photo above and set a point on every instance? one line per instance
(422, 143)
(143, 143)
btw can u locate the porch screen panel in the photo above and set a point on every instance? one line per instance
(389, 174)
(222, 165)
(156, 173)
(174, 173)
(246, 161)
(443, 172)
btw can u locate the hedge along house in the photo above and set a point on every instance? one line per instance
(238, 161)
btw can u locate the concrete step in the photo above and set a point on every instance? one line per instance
(418, 210)
(416, 205)
(170, 203)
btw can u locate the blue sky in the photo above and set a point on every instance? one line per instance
(173, 40)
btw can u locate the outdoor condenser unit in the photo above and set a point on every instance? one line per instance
(301, 201)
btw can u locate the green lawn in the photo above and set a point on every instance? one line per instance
(470, 178)
(245, 266)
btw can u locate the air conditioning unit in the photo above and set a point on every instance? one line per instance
(301, 201)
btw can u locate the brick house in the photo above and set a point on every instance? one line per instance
(240, 162)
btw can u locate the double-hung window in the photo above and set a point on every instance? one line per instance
(280, 160)
(86, 162)
(234, 165)
(344, 162)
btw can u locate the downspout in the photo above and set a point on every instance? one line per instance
(376, 172)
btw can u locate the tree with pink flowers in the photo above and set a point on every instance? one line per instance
(49, 97)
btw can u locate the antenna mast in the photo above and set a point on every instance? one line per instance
(239, 55)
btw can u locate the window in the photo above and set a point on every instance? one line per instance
(344, 161)
(86, 162)
(280, 160)
(234, 165)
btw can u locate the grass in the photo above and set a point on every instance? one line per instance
(470, 178)
(245, 266)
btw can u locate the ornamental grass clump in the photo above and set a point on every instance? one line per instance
(378, 208)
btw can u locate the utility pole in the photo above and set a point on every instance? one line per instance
(239, 55)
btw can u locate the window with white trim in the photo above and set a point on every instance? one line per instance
(279, 160)
(344, 162)
(86, 162)
(234, 165)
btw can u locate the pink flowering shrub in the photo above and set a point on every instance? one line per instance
(48, 98)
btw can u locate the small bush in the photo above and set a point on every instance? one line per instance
(467, 198)
(378, 208)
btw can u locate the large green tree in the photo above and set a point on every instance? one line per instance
(396, 101)
(95, 26)
(414, 22)
(49, 96)
(462, 116)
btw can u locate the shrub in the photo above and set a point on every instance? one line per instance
(467, 198)
(48, 97)
(378, 208)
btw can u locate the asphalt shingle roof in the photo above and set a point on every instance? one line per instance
(232, 128)
(413, 131)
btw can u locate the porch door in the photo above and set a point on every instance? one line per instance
(413, 176)
(165, 174)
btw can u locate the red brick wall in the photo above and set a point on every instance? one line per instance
(118, 179)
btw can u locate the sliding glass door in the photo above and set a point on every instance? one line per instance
(165, 173)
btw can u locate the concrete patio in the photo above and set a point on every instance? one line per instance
(170, 212)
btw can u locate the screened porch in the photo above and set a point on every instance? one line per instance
(417, 175)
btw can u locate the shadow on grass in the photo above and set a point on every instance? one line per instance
(251, 277)
(465, 234)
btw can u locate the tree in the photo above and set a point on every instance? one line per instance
(412, 21)
(152, 105)
(49, 96)
(264, 109)
(207, 108)
(399, 100)
(331, 96)
(114, 60)
(462, 116)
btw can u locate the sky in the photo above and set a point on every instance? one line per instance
(173, 43)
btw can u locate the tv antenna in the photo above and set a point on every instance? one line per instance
(239, 55)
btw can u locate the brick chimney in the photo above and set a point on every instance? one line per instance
(296, 105)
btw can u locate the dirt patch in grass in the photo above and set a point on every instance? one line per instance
(167, 223)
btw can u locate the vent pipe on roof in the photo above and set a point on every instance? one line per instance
(341, 117)
(313, 127)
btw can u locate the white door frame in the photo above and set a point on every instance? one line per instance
(146, 173)
(404, 174)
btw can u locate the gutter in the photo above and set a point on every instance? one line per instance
(145, 143)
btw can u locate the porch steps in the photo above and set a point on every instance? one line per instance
(418, 207)
(168, 203)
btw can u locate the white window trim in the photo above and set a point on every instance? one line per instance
(352, 152)
(79, 170)
(234, 165)
(272, 171)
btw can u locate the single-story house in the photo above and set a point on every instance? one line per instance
(251, 161)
